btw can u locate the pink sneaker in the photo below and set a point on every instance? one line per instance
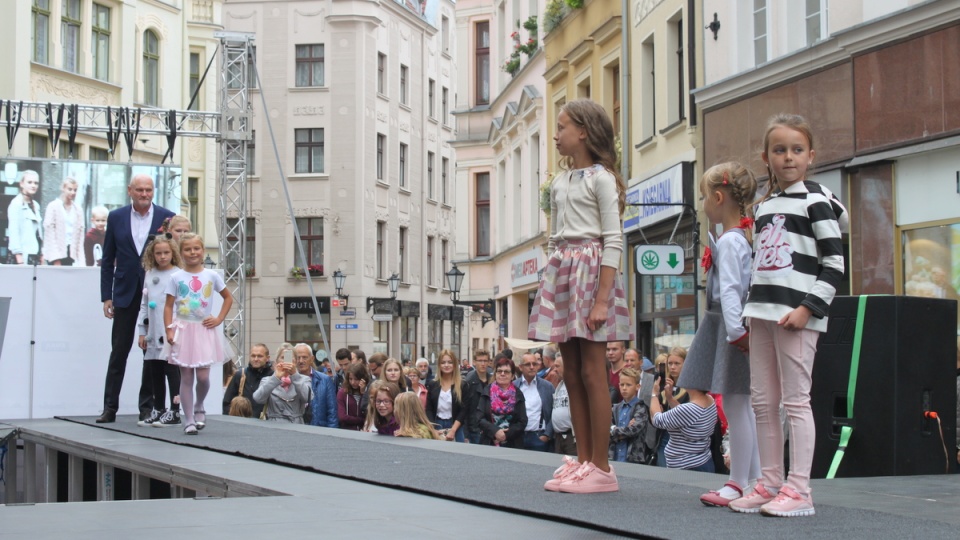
(714, 498)
(570, 466)
(751, 503)
(589, 479)
(789, 503)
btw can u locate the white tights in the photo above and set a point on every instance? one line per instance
(744, 451)
(187, 402)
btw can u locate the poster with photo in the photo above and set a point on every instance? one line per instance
(54, 212)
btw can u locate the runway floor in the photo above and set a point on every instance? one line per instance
(342, 483)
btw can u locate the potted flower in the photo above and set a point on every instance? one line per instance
(297, 272)
(249, 271)
(315, 269)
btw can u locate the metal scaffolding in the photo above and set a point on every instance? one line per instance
(231, 126)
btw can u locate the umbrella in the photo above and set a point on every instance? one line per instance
(525, 344)
(674, 340)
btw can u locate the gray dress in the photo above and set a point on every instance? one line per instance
(712, 363)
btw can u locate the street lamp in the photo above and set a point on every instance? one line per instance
(454, 282)
(209, 263)
(338, 279)
(394, 283)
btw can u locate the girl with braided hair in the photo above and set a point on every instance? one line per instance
(717, 359)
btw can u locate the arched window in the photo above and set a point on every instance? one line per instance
(151, 68)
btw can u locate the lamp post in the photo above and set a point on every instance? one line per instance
(454, 282)
(394, 284)
(209, 263)
(338, 279)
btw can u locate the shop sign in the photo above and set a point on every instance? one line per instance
(658, 260)
(304, 304)
(666, 187)
(524, 268)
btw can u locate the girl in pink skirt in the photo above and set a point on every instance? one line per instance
(580, 304)
(195, 343)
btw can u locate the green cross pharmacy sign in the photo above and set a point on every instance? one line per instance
(658, 260)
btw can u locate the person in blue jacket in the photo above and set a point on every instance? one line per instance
(322, 410)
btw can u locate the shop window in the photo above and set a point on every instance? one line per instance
(931, 261)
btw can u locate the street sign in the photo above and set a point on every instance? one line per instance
(348, 313)
(383, 317)
(658, 260)
(347, 326)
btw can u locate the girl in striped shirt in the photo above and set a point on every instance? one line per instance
(797, 266)
(690, 426)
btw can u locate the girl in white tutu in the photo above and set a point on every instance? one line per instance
(195, 343)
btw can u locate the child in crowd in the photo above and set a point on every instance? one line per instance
(689, 425)
(415, 386)
(796, 270)
(580, 303)
(631, 420)
(380, 416)
(93, 240)
(161, 258)
(352, 397)
(412, 418)
(177, 226)
(717, 361)
(192, 334)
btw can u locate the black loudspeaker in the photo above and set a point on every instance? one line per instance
(907, 366)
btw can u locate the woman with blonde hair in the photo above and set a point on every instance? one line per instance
(412, 418)
(445, 396)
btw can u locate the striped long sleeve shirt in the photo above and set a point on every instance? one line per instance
(798, 255)
(690, 427)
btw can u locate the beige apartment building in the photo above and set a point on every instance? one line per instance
(360, 96)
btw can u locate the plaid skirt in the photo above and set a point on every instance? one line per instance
(566, 296)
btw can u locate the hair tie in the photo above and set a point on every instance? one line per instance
(746, 222)
(726, 178)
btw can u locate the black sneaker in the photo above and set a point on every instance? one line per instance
(155, 416)
(169, 418)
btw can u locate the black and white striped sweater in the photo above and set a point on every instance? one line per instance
(798, 254)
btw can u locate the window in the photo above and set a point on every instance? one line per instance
(648, 101)
(381, 142)
(311, 234)
(430, 191)
(483, 213)
(674, 71)
(309, 150)
(381, 336)
(252, 68)
(100, 42)
(38, 146)
(401, 253)
(408, 339)
(443, 105)
(41, 30)
(403, 84)
(444, 186)
(151, 68)
(615, 86)
(381, 73)
(443, 262)
(483, 63)
(309, 65)
(456, 330)
(252, 154)
(403, 165)
(380, 229)
(194, 81)
(234, 261)
(70, 34)
(99, 154)
(759, 31)
(63, 149)
(434, 338)
(432, 98)
(193, 199)
(814, 17)
(931, 267)
(681, 95)
(445, 34)
(429, 261)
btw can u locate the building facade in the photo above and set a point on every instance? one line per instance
(501, 147)
(360, 96)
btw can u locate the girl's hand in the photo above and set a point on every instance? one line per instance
(211, 322)
(656, 385)
(796, 319)
(170, 334)
(142, 342)
(501, 436)
(598, 316)
(668, 386)
(363, 385)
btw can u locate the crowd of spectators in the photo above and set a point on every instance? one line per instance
(517, 402)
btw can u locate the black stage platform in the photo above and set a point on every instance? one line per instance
(652, 502)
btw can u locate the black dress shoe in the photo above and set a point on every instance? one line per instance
(108, 417)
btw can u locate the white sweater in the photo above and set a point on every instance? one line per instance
(584, 203)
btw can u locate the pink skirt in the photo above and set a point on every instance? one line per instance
(566, 296)
(196, 346)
